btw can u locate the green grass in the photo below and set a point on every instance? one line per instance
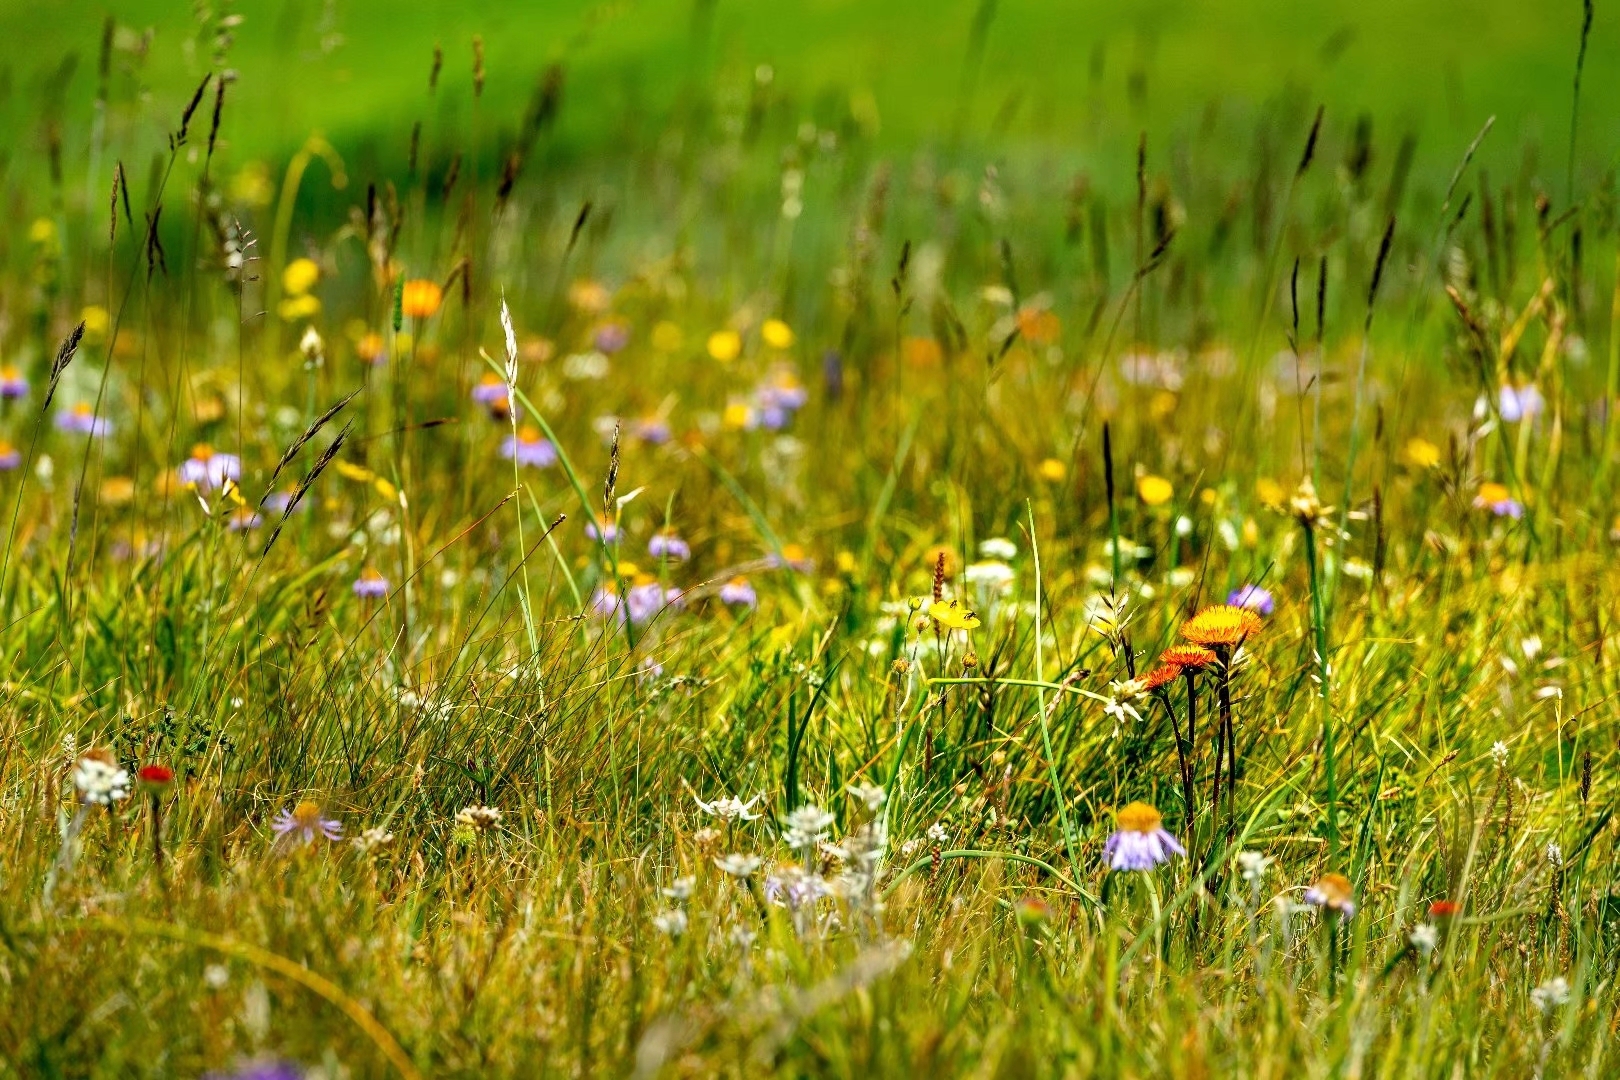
(1428, 711)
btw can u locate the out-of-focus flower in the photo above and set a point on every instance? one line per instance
(729, 808)
(1420, 453)
(777, 334)
(1256, 599)
(738, 593)
(602, 530)
(1424, 937)
(260, 1070)
(725, 345)
(99, 779)
(667, 337)
(492, 392)
(651, 429)
(870, 795)
(1550, 994)
(530, 447)
(1252, 865)
(1518, 403)
(590, 297)
(1141, 841)
(611, 337)
(806, 826)
(155, 776)
(1154, 490)
(1495, 498)
(10, 456)
(738, 866)
(372, 838)
(998, 548)
(13, 384)
(82, 419)
(671, 922)
(667, 545)
(480, 819)
(370, 585)
(304, 824)
(371, 348)
(207, 469)
(420, 298)
(1332, 892)
(300, 276)
(1051, 470)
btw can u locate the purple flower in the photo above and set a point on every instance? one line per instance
(490, 390)
(666, 545)
(243, 520)
(1141, 842)
(370, 585)
(12, 384)
(82, 419)
(610, 337)
(10, 457)
(605, 531)
(304, 824)
(277, 502)
(1519, 403)
(651, 430)
(772, 418)
(1254, 598)
(739, 593)
(206, 470)
(641, 603)
(529, 447)
(260, 1070)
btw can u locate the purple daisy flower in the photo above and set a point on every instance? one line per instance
(490, 390)
(243, 520)
(1519, 402)
(1258, 600)
(304, 824)
(610, 337)
(1334, 893)
(529, 447)
(666, 545)
(370, 585)
(10, 457)
(12, 384)
(652, 430)
(605, 531)
(1141, 842)
(260, 1070)
(82, 420)
(738, 593)
(207, 469)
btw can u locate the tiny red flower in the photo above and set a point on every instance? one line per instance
(156, 774)
(1443, 909)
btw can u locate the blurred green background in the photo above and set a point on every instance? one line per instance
(1075, 78)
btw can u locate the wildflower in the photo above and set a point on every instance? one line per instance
(492, 392)
(791, 557)
(671, 922)
(373, 838)
(1161, 675)
(1555, 855)
(1550, 994)
(738, 593)
(480, 819)
(871, 795)
(207, 469)
(305, 823)
(725, 345)
(794, 885)
(681, 889)
(777, 334)
(12, 384)
(243, 519)
(667, 545)
(370, 585)
(953, 615)
(591, 297)
(312, 347)
(1421, 453)
(1032, 911)
(603, 530)
(1051, 470)
(1333, 893)
(371, 348)
(1154, 490)
(1308, 509)
(295, 308)
(994, 576)
(1499, 753)
(1189, 657)
(10, 456)
(529, 447)
(156, 776)
(806, 826)
(1252, 865)
(738, 866)
(1519, 402)
(1221, 625)
(1141, 842)
(1495, 498)
(1258, 600)
(1424, 938)
(937, 834)
(259, 1070)
(99, 780)
(998, 548)
(420, 298)
(82, 419)
(611, 337)
(651, 430)
(727, 808)
(300, 276)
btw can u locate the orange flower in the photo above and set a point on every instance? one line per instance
(420, 298)
(1159, 676)
(1187, 656)
(1222, 624)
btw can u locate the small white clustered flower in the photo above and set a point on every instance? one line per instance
(671, 922)
(738, 865)
(998, 547)
(806, 826)
(1424, 938)
(100, 782)
(1555, 854)
(373, 838)
(872, 797)
(1550, 994)
(1499, 753)
(1252, 865)
(727, 808)
(680, 890)
(479, 818)
(937, 833)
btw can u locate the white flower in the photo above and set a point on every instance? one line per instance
(937, 833)
(998, 547)
(806, 826)
(373, 838)
(1550, 994)
(1424, 938)
(100, 781)
(873, 796)
(1120, 711)
(671, 922)
(738, 865)
(479, 818)
(1181, 577)
(1499, 753)
(1555, 854)
(680, 889)
(727, 808)
(1252, 865)
(991, 576)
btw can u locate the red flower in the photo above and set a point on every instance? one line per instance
(156, 775)
(1443, 909)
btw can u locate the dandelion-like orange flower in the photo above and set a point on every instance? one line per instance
(1159, 676)
(420, 298)
(1222, 625)
(1187, 656)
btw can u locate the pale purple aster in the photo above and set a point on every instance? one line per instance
(611, 337)
(207, 469)
(773, 418)
(82, 420)
(666, 545)
(243, 520)
(13, 384)
(529, 448)
(1519, 403)
(10, 457)
(606, 531)
(652, 430)
(279, 502)
(1141, 842)
(1258, 600)
(260, 1070)
(370, 585)
(739, 593)
(305, 824)
(646, 600)
(489, 391)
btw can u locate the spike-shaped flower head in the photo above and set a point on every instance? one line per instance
(1221, 626)
(1141, 841)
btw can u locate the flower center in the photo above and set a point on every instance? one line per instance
(1139, 817)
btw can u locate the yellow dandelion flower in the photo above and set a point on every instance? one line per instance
(777, 334)
(420, 298)
(1222, 625)
(96, 322)
(725, 345)
(295, 308)
(300, 276)
(737, 416)
(1420, 453)
(1051, 470)
(1154, 490)
(953, 614)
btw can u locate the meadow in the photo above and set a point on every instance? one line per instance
(658, 539)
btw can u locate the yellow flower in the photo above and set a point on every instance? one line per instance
(298, 307)
(252, 184)
(354, 472)
(42, 231)
(737, 416)
(1138, 817)
(725, 345)
(953, 615)
(667, 337)
(420, 298)
(1269, 492)
(1052, 470)
(1421, 453)
(96, 322)
(1222, 624)
(1154, 490)
(777, 334)
(300, 276)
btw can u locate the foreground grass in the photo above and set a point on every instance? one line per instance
(856, 387)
